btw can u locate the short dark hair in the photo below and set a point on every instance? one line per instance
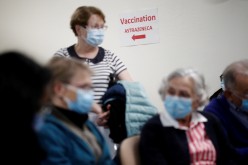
(82, 14)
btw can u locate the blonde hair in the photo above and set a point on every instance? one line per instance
(63, 69)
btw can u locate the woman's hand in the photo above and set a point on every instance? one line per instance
(103, 117)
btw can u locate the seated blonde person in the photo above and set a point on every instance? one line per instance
(180, 134)
(67, 135)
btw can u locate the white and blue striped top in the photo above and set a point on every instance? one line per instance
(103, 66)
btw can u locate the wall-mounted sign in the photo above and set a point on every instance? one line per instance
(139, 27)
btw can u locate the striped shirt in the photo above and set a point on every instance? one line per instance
(103, 66)
(201, 148)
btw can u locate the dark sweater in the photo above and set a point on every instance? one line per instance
(167, 145)
(235, 129)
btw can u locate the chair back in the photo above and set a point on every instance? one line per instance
(129, 151)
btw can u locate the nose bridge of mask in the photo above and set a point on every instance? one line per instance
(178, 103)
(80, 91)
(183, 99)
(186, 101)
(95, 32)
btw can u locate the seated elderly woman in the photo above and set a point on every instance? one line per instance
(181, 134)
(67, 136)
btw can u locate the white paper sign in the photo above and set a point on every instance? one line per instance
(139, 27)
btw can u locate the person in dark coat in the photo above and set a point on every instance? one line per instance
(181, 134)
(231, 108)
(22, 87)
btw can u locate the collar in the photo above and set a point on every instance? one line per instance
(99, 57)
(168, 121)
(73, 117)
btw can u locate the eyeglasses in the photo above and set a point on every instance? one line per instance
(105, 27)
(221, 77)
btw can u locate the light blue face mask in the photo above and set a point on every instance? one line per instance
(83, 103)
(177, 107)
(95, 37)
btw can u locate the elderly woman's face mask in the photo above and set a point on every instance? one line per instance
(179, 97)
(178, 107)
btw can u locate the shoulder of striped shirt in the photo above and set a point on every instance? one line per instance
(62, 52)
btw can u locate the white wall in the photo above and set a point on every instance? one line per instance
(205, 34)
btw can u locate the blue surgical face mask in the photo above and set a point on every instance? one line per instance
(95, 37)
(244, 105)
(83, 103)
(178, 107)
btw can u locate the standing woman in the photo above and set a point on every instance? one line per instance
(181, 134)
(88, 25)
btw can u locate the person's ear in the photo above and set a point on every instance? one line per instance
(59, 89)
(228, 94)
(78, 30)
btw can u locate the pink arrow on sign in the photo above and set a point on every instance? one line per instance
(134, 37)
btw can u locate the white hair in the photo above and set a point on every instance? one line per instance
(197, 78)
